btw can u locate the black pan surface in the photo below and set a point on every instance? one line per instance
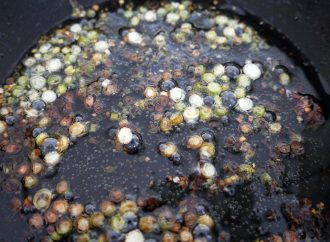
(305, 23)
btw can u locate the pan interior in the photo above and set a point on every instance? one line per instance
(130, 68)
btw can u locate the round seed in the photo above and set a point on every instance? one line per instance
(52, 158)
(252, 71)
(228, 99)
(48, 96)
(208, 170)
(195, 142)
(219, 70)
(196, 100)
(167, 149)
(134, 236)
(37, 82)
(177, 94)
(125, 135)
(42, 199)
(134, 38)
(53, 65)
(191, 115)
(245, 104)
(77, 129)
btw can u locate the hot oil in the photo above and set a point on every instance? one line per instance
(93, 166)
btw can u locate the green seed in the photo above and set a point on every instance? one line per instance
(259, 111)
(208, 77)
(117, 223)
(54, 80)
(199, 70)
(246, 38)
(243, 80)
(220, 111)
(265, 178)
(23, 81)
(18, 91)
(225, 78)
(179, 37)
(205, 113)
(61, 89)
(211, 35)
(64, 226)
(55, 236)
(240, 92)
(69, 70)
(284, 79)
(198, 86)
(225, 87)
(214, 88)
(180, 106)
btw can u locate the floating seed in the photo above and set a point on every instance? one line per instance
(150, 92)
(64, 226)
(219, 70)
(196, 100)
(53, 65)
(48, 96)
(82, 224)
(167, 85)
(166, 219)
(78, 129)
(48, 145)
(125, 135)
(128, 206)
(206, 220)
(246, 128)
(283, 148)
(252, 71)
(191, 115)
(134, 236)
(245, 104)
(228, 99)
(131, 222)
(176, 118)
(51, 216)
(96, 220)
(167, 149)
(3, 126)
(117, 223)
(63, 143)
(185, 236)
(107, 208)
(52, 158)
(165, 125)
(232, 70)
(259, 111)
(42, 199)
(134, 38)
(177, 94)
(62, 187)
(76, 209)
(134, 145)
(275, 128)
(195, 142)
(60, 206)
(37, 82)
(208, 170)
(29, 181)
(37, 221)
(190, 219)
(116, 195)
(148, 224)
